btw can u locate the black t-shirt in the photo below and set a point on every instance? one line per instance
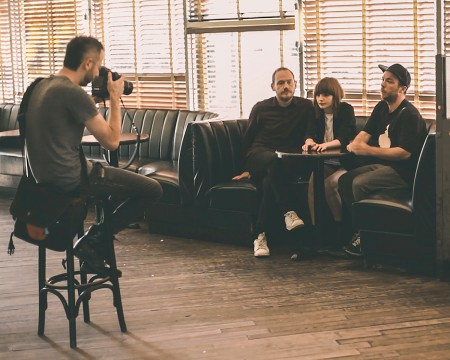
(273, 127)
(407, 130)
(56, 118)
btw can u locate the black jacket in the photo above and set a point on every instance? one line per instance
(344, 125)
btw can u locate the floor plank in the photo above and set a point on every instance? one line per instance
(188, 299)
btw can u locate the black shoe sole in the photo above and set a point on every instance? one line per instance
(104, 271)
(353, 254)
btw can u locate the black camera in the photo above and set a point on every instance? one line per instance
(100, 84)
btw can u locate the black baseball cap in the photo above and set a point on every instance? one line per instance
(400, 72)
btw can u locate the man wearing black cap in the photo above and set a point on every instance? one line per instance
(400, 131)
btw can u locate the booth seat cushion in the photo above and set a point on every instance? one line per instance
(403, 229)
(224, 207)
(170, 185)
(8, 117)
(11, 161)
(384, 215)
(157, 166)
(240, 196)
(217, 155)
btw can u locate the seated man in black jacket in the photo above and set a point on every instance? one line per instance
(401, 131)
(277, 123)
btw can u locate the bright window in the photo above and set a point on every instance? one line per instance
(144, 41)
(348, 39)
(222, 60)
(233, 49)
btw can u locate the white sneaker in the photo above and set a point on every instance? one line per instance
(260, 247)
(292, 220)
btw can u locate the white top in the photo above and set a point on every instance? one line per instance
(329, 136)
(384, 140)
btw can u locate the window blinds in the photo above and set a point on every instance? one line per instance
(348, 39)
(144, 41)
(232, 47)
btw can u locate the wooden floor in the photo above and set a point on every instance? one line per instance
(187, 299)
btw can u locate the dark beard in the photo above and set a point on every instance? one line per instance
(390, 99)
(86, 80)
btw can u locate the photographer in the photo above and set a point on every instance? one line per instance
(59, 110)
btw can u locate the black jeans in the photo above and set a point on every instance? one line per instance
(274, 183)
(368, 181)
(130, 192)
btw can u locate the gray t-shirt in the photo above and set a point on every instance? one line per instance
(55, 121)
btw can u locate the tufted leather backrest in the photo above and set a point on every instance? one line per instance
(166, 128)
(8, 117)
(217, 152)
(414, 217)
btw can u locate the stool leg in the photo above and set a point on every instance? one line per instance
(86, 312)
(71, 314)
(42, 292)
(83, 279)
(117, 298)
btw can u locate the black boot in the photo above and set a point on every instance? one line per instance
(90, 250)
(95, 238)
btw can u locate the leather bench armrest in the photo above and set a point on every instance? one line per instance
(383, 216)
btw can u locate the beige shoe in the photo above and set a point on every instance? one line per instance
(292, 220)
(260, 247)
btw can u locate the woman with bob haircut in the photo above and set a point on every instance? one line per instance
(334, 127)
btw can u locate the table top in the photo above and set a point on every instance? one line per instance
(327, 154)
(125, 139)
(10, 134)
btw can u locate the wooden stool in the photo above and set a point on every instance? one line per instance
(76, 281)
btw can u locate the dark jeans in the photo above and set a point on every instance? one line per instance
(130, 192)
(274, 183)
(369, 181)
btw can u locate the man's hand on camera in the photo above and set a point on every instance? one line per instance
(115, 88)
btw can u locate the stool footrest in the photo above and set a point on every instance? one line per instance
(80, 284)
(52, 282)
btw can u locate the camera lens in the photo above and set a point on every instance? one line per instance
(127, 87)
(100, 84)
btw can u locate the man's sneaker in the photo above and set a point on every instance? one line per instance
(292, 220)
(354, 247)
(260, 247)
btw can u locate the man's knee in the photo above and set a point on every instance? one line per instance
(155, 190)
(359, 188)
(261, 163)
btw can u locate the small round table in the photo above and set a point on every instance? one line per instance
(319, 190)
(112, 156)
(9, 134)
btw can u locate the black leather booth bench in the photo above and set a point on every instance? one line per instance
(219, 208)
(158, 158)
(11, 167)
(403, 231)
(194, 159)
